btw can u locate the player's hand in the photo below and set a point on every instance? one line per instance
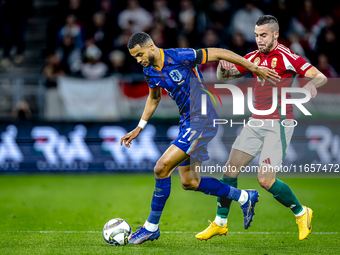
(130, 136)
(311, 88)
(227, 65)
(265, 73)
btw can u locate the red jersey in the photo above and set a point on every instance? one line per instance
(283, 61)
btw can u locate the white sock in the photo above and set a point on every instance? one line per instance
(150, 226)
(243, 198)
(220, 221)
(301, 213)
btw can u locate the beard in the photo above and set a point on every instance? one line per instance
(269, 47)
(151, 60)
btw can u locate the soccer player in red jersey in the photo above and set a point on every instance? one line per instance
(272, 138)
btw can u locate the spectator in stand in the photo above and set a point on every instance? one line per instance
(120, 44)
(220, 14)
(98, 34)
(158, 34)
(162, 14)
(210, 40)
(15, 14)
(182, 42)
(134, 17)
(93, 68)
(324, 67)
(69, 55)
(117, 62)
(52, 69)
(106, 7)
(284, 16)
(22, 111)
(65, 8)
(328, 42)
(74, 30)
(308, 23)
(244, 20)
(187, 19)
(296, 46)
(336, 14)
(75, 7)
(239, 44)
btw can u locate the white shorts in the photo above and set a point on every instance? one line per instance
(268, 136)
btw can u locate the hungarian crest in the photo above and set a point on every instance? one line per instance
(274, 62)
(257, 61)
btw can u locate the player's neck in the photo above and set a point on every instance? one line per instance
(274, 46)
(158, 59)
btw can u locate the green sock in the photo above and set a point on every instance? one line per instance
(223, 203)
(282, 193)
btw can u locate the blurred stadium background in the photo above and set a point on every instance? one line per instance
(69, 90)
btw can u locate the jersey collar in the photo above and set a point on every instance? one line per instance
(162, 57)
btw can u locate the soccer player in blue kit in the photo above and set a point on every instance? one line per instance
(175, 70)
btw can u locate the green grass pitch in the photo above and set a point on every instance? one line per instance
(64, 214)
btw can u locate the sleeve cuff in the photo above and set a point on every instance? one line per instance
(154, 89)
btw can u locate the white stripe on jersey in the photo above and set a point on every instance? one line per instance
(194, 52)
(251, 57)
(288, 65)
(286, 50)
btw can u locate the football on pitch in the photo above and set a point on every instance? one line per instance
(117, 232)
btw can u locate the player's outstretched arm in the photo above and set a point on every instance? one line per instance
(318, 80)
(151, 105)
(216, 54)
(227, 71)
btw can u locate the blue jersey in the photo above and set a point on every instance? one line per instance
(183, 81)
(181, 78)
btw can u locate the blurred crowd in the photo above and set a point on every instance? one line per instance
(89, 38)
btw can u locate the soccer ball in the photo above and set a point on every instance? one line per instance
(117, 232)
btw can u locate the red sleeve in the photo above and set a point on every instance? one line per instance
(242, 70)
(301, 65)
(251, 57)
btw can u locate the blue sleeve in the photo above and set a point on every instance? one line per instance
(192, 57)
(152, 86)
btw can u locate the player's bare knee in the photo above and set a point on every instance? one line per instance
(265, 183)
(189, 184)
(160, 170)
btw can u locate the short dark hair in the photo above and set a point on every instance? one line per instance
(268, 19)
(138, 38)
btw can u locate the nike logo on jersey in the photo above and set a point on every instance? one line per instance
(182, 142)
(157, 83)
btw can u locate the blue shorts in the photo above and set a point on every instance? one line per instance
(193, 139)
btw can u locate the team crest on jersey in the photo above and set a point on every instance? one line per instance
(176, 75)
(274, 62)
(257, 61)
